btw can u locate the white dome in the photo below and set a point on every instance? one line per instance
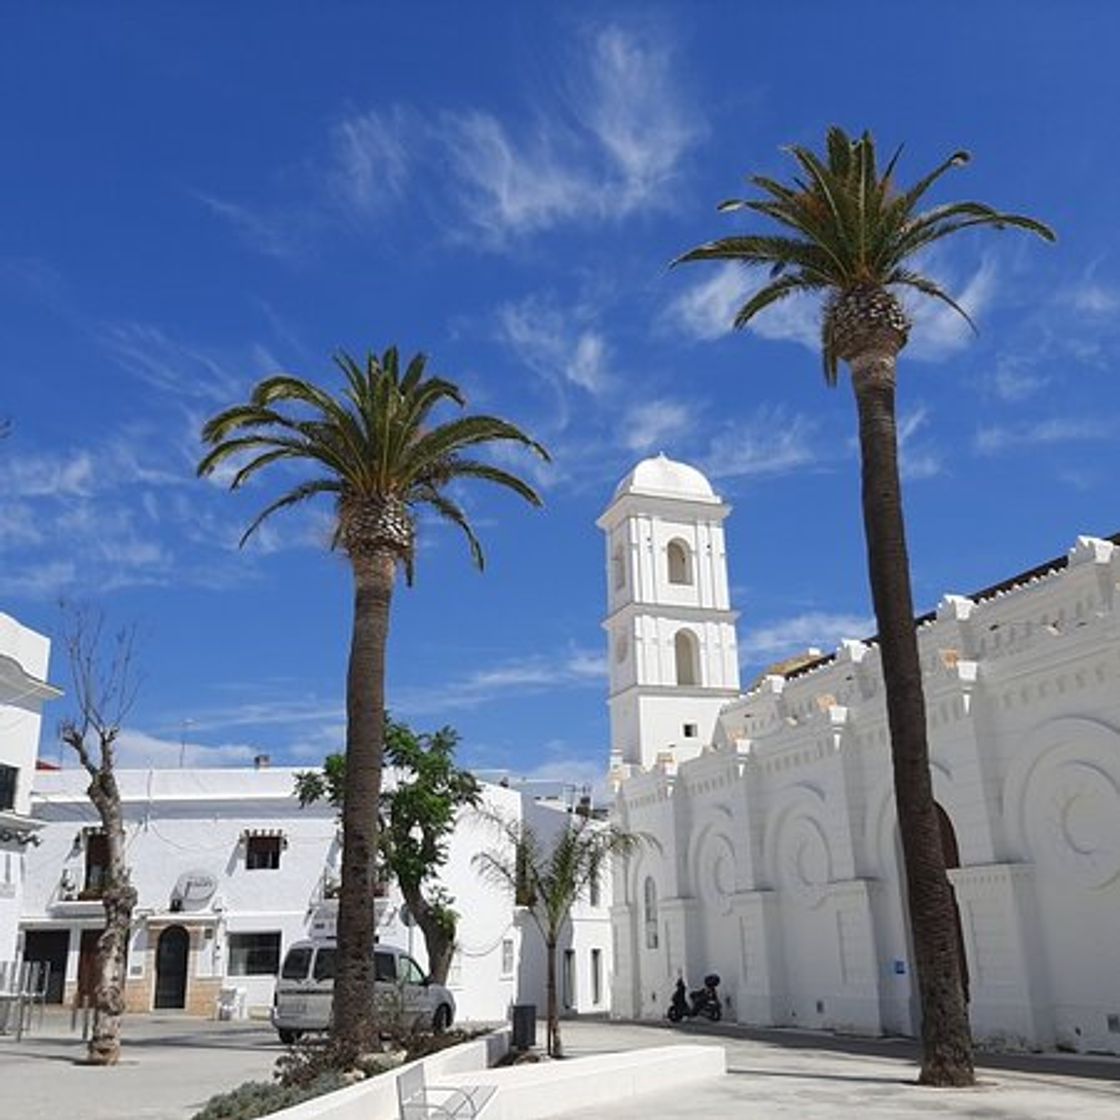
(666, 478)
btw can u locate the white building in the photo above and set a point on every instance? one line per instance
(24, 655)
(230, 871)
(774, 858)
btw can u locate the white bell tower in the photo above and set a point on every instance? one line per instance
(674, 660)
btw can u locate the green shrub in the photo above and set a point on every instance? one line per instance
(259, 1098)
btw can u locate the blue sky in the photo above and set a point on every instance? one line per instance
(195, 196)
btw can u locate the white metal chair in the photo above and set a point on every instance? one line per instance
(420, 1101)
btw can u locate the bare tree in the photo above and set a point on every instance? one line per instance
(103, 671)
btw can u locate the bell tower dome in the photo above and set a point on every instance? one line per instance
(673, 656)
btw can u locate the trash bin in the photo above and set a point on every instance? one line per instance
(524, 1035)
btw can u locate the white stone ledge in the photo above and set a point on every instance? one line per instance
(527, 1092)
(577, 1086)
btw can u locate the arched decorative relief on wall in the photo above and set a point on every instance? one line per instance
(649, 860)
(796, 850)
(711, 861)
(1061, 800)
(882, 819)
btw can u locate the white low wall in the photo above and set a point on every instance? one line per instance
(579, 1086)
(527, 1092)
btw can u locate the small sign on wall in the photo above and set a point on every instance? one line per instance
(899, 967)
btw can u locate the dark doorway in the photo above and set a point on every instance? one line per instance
(50, 947)
(87, 966)
(952, 853)
(172, 951)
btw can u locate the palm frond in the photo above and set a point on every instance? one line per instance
(293, 497)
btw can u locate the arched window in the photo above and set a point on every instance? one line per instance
(618, 563)
(680, 562)
(687, 655)
(649, 899)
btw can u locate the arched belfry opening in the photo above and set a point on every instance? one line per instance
(679, 558)
(686, 649)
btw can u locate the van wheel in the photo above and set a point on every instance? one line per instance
(290, 1038)
(442, 1019)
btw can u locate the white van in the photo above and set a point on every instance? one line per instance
(305, 987)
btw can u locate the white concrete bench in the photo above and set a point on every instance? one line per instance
(420, 1101)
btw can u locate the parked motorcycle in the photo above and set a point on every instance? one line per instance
(703, 1001)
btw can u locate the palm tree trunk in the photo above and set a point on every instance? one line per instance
(946, 1042)
(555, 1047)
(355, 1027)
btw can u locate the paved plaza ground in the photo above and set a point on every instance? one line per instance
(173, 1063)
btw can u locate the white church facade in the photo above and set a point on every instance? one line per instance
(772, 855)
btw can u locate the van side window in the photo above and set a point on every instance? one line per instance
(408, 971)
(324, 965)
(383, 968)
(295, 964)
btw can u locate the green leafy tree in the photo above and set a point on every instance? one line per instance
(376, 450)
(547, 878)
(417, 819)
(853, 236)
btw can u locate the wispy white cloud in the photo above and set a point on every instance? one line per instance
(140, 750)
(633, 128)
(918, 458)
(786, 637)
(563, 347)
(371, 160)
(526, 676)
(173, 367)
(705, 310)
(1090, 297)
(770, 442)
(939, 331)
(650, 424)
(1016, 379)
(273, 233)
(999, 438)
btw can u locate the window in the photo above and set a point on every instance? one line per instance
(568, 978)
(97, 864)
(8, 776)
(254, 954)
(408, 971)
(649, 893)
(507, 956)
(618, 562)
(324, 965)
(295, 963)
(596, 891)
(687, 657)
(596, 976)
(262, 853)
(679, 557)
(690, 730)
(384, 968)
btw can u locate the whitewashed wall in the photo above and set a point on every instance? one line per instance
(775, 852)
(24, 657)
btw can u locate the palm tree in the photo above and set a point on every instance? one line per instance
(548, 880)
(853, 236)
(377, 452)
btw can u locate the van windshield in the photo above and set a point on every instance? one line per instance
(324, 965)
(295, 963)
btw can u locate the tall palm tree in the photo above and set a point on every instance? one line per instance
(376, 450)
(548, 878)
(852, 235)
